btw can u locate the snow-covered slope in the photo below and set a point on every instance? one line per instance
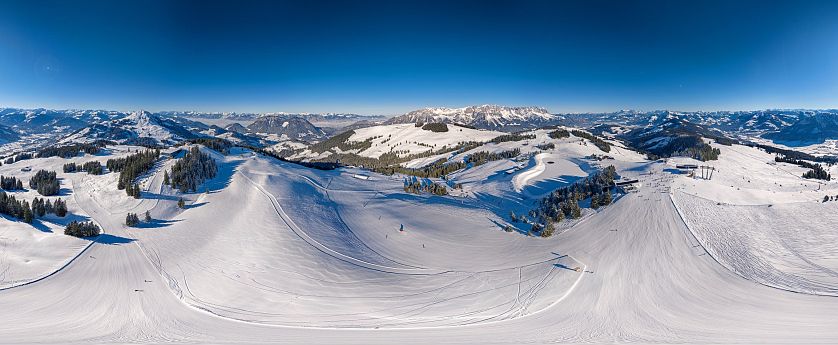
(305, 253)
(763, 221)
(398, 139)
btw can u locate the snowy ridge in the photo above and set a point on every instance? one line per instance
(139, 125)
(483, 116)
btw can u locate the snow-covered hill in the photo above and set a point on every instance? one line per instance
(139, 126)
(671, 135)
(397, 139)
(286, 127)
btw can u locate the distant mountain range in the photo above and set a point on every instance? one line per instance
(492, 117)
(139, 127)
(32, 128)
(807, 130)
(312, 117)
(8, 135)
(732, 122)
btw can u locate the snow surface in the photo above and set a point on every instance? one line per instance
(415, 139)
(765, 222)
(275, 253)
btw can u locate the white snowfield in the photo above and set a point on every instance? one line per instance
(276, 253)
(763, 221)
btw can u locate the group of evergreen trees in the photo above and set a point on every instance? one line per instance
(21, 209)
(191, 170)
(218, 144)
(42, 206)
(792, 154)
(817, 171)
(81, 229)
(19, 157)
(133, 190)
(131, 167)
(437, 127)
(10, 183)
(45, 182)
(512, 137)
(91, 167)
(132, 219)
(545, 147)
(70, 151)
(342, 142)
(483, 157)
(559, 133)
(419, 186)
(564, 202)
(601, 144)
(703, 152)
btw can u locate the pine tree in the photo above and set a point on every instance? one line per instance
(147, 216)
(606, 199)
(60, 207)
(576, 211)
(181, 203)
(131, 219)
(27, 213)
(559, 216)
(166, 177)
(548, 230)
(595, 202)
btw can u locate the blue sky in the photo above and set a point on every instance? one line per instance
(390, 57)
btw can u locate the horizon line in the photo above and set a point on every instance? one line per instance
(261, 113)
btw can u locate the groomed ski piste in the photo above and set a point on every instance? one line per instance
(272, 252)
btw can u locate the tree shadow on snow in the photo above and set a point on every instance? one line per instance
(39, 224)
(194, 205)
(110, 239)
(223, 178)
(562, 266)
(156, 223)
(514, 226)
(64, 192)
(157, 196)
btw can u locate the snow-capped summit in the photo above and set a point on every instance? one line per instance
(483, 116)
